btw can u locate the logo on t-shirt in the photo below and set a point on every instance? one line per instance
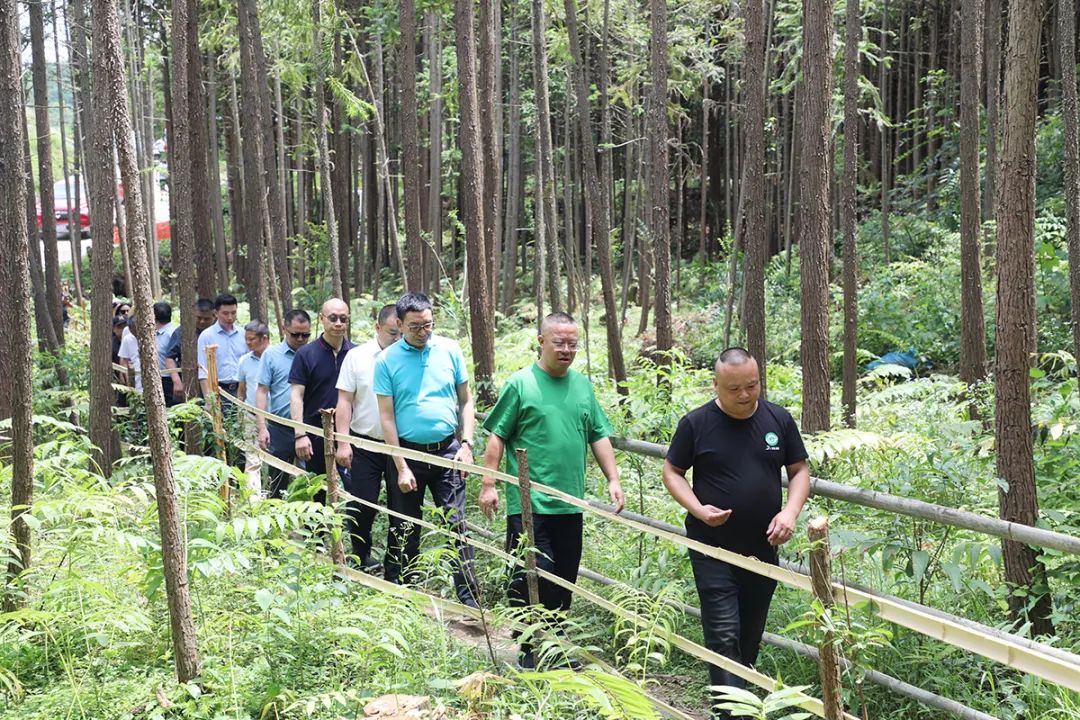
(772, 441)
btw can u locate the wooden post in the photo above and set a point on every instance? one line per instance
(821, 580)
(216, 416)
(337, 550)
(524, 488)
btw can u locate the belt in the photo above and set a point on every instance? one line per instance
(229, 386)
(432, 447)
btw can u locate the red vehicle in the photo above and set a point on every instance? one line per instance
(64, 209)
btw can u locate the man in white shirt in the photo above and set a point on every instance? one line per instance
(358, 414)
(129, 353)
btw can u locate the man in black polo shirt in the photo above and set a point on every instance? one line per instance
(736, 445)
(314, 376)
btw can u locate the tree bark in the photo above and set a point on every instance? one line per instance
(1067, 49)
(596, 204)
(15, 352)
(884, 146)
(434, 270)
(992, 47)
(202, 233)
(1016, 312)
(972, 324)
(43, 130)
(544, 153)
(814, 233)
(852, 37)
(515, 182)
(659, 190)
(113, 126)
(322, 149)
(410, 147)
(474, 208)
(490, 141)
(754, 188)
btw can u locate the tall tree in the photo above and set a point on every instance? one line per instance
(202, 232)
(473, 206)
(1067, 49)
(753, 235)
(659, 201)
(1015, 211)
(545, 157)
(814, 227)
(885, 160)
(972, 324)
(43, 129)
(596, 206)
(15, 351)
(490, 140)
(322, 149)
(410, 148)
(113, 124)
(852, 37)
(992, 54)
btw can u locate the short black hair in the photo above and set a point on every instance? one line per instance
(204, 305)
(412, 302)
(162, 312)
(385, 312)
(734, 356)
(557, 318)
(224, 299)
(296, 313)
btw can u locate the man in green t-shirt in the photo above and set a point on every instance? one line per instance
(550, 411)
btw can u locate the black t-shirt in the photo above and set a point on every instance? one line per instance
(316, 367)
(736, 466)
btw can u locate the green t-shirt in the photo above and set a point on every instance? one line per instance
(555, 419)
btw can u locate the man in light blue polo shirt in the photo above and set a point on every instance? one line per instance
(422, 386)
(257, 338)
(273, 395)
(230, 346)
(163, 334)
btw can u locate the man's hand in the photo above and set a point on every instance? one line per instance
(344, 455)
(615, 492)
(781, 528)
(264, 438)
(464, 454)
(303, 447)
(712, 515)
(406, 481)
(489, 498)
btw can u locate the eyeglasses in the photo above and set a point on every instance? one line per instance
(417, 327)
(300, 335)
(338, 318)
(563, 345)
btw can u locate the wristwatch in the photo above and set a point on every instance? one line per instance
(466, 441)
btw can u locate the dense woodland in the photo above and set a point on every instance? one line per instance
(825, 183)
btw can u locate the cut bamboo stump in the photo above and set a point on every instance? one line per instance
(217, 417)
(821, 580)
(524, 488)
(333, 495)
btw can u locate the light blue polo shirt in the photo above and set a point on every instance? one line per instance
(231, 347)
(274, 374)
(423, 384)
(249, 375)
(163, 339)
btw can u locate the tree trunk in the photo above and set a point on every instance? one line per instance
(410, 147)
(180, 197)
(545, 154)
(481, 311)
(972, 324)
(76, 191)
(515, 182)
(113, 123)
(754, 188)
(74, 232)
(322, 149)
(852, 37)
(221, 263)
(432, 264)
(1016, 313)
(992, 53)
(200, 171)
(15, 352)
(659, 190)
(814, 234)
(1067, 48)
(596, 204)
(886, 165)
(703, 209)
(490, 97)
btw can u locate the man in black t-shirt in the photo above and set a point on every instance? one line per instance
(736, 445)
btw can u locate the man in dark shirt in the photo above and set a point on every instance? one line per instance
(736, 445)
(314, 376)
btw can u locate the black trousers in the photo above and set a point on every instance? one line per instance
(558, 544)
(734, 607)
(448, 492)
(365, 480)
(283, 447)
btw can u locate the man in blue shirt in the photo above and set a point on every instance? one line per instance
(423, 390)
(314, 377)
(257, 338)
(273, 395)
(230, 346)
(163, 334)
(204, 318)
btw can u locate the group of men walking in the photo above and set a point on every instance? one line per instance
(408, 387)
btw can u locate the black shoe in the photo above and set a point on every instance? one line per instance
(371, 566)
(526, 661)
(471, 602)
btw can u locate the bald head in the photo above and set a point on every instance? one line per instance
(737, 383)
(733, 356)
(335, 321)
(334, 305)
(555, 319)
